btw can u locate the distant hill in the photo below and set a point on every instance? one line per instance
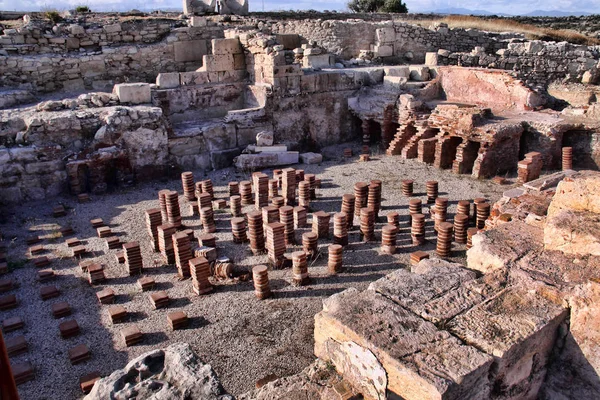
(465, 11)
(543, 13)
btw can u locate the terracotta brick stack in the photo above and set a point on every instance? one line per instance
(312, 185)
(393, 218)
(320, 224)
(275, 242)
(348, 201)
(153, 221)
(432, 191)
(256, 232)
(417, 229)
(335, 261)
(304, 194)
(367, 224)
(310, 244)
(208, 220)
(207, 187)
(417, 257)
(300, 215)
(470, 233)
(200, 271)
(238, 229)
(407, 187)
(261, 190)
(461, 225)
(235, 206)
(273, 188)
(286, 217)
(162, 200)
(482, 213)
(361, 194)
(567, 158)
(246, 193)
(260, 276)
(187, 181)
(374, 198)
(299, 268)
(441, 211)
(288, 186)
(530, 168)
(270, 214)
(233, 188)
(444, 239)
(389, 235)
(464, 207)
(415, 206)
(133, 258)
(278, 201)
(173, 210)
(165, 242)
(182, 247)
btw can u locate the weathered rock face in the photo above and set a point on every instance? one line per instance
(173, 373)
(573, 222)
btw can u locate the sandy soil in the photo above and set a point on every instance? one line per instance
(244, 339)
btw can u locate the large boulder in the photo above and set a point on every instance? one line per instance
(173, 373)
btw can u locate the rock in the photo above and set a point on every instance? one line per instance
(384, 51)
(264, 138)
(418, 73)
(431, 59)
(168, 80)
(311, 158)
(172, 373)
(265, 160)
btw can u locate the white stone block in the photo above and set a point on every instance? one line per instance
(394, 82)
(384, 51)
(431, 59)
(320, 61)
(268, 149)
(312, 52)
(403, 72)
(216, 63)
(133, 93)
(226, 46)
(419, 73)
(385, 35)
(264, 139)
(197, 22)
(311, 158)
(168, 80)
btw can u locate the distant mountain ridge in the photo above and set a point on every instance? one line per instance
(535, 13)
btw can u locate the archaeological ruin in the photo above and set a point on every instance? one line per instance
(230, 205)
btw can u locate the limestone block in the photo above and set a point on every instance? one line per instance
(267, 149)
(264, 138)
(419, 73)
(226, 46)
(168, 80)
(188, 51)
(289, 41)
(92, 68)
(421, 362)
(236, 7)
(220, 137)
(265, 159)
(385, 35)
(311, 158)
(312, 51)
(133, 93)
(431, 59)
(198, 22)
(394, 82)
(73, 85)
(146, 147)
(384, 51)
(191, 7)
(403, 72)
(72, 43)
(114, 28)
(573, 232)
(519, 328)
(216, 63)
(585, 328)
(239, 61)
(76, 29)
(231, 76)
(318, 61)
(194, 78)
(577, 193)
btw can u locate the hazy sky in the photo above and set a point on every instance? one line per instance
(498, 6)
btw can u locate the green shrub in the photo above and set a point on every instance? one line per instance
(53, 16)
(83, 9)
(370, 6)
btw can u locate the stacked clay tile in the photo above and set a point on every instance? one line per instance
(441, 211)
(278, 201)
(207, 240)
(312, 185)
(477, 201)
(153, 221)
(374, 197)
(173, 211)
(432, 191)
(348, 209)
(320, 224)
(273, 188)
(261, 190)
(246, 193)
(277, 173)
(255, 232)
(260, 276)
(367, 224)
(483, 213)
(133, 258)
(348, 153)
(270, 214)
(567, 158)
(204, 200)
(200, 272)
(417, 229)
(235, 206)
(162, 200)
(286, 217)
(299, 268)
(299, 175)
(464, 207)
(208, 220)
(361, 193)
(340, 229)
(393, 218)
(275, 242)
(304, 194)
(444, 239)
(300, 216)
(207, 187)
(187, 181)
(233, 188)
(388, 238)
(238, 228)
(310, 244)
(407, 187)
(334, 262)
(165, 242)
(461, 225)
(183, 253)
(288, 186)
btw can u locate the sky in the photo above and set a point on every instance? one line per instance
(495, 6)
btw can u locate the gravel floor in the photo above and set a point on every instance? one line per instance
(242, 338)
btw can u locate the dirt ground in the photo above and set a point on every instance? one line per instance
(244, 339)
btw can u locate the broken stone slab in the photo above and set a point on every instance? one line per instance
(419, 73)
(311, 158)
(519, 327)
(437, 290)
(573, 232)
(394, 82)
(318, 61)
(384, 51)
(133, 93)
(172, 373)
(548, 181)
(498, 248)
(431, 59)
(403, 72)
(267, 149)
(421, 362)
(168, 80)
(579, 192)
(265, 160)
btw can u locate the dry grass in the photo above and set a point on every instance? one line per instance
(531, 32)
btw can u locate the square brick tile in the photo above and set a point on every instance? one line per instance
(48, 292)
(7, 302)
(61, 309)
(12, 324)
(16, 345)
(69, 329)
(86, 382)
(22, 372)
(117, 314)
(131, 335)
(79, 354)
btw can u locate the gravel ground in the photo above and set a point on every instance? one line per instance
(242, 338)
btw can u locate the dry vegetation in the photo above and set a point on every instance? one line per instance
(531, 32)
